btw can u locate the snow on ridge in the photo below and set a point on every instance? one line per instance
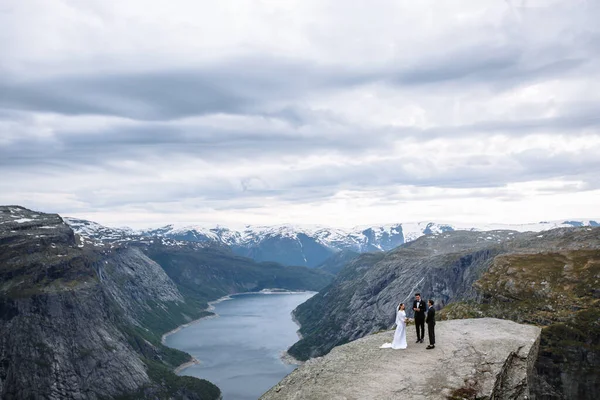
(526, 227)
(194, 230)
(304, 228)
(359, 238)
(251, 233)
(86, 227)
(22, 220)
(356, 238)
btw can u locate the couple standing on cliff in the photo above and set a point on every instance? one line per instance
(399, 341)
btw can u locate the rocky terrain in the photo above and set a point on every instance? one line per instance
(82, 318)
(471, 270)
(473, 359)
(71, 318)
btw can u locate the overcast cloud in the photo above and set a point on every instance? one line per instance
(338, 113)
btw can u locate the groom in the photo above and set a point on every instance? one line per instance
(431, 325)
(419, 309)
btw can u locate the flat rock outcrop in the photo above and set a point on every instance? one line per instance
(474, 358)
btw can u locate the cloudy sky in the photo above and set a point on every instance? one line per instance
(339, 113)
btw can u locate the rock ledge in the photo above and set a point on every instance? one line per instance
(486, 358)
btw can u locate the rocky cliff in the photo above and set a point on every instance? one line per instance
(72, 318)
(446, 267)
(473, 359)
(560, 291)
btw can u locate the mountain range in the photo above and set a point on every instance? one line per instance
(83, 306)
(309, 246)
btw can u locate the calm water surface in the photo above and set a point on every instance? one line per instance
(239, 351)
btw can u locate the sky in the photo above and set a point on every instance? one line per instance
(142, 113)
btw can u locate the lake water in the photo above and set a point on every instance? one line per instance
(240, 350)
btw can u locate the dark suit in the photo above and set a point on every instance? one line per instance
(431, 325)
(420, 319)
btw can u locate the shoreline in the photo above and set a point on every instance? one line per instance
(289, 359)
(286, 358)
(210, 309)
(193, 361)
(299, 326)
(163, 338)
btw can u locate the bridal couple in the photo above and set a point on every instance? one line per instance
(399, 341)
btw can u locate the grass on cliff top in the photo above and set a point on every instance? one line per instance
(541, 288)
(571, 274)
(559, 291)
(26, 272)
(556, 290)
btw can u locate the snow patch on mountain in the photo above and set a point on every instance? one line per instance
(304, 244)
(94, 230)
(357, 238)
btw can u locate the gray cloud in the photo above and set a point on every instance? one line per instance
(102, 146)
(309, 126)
(256, 85)
(316, 183)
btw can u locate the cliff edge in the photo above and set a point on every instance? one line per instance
(473, 358)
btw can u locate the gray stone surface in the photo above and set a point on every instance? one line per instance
(492, 358)
(70, 317)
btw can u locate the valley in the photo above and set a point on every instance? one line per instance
(79, 301)
(80, 319)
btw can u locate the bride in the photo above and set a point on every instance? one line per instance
(400, 334)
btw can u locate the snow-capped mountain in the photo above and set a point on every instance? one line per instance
(95, 234)
(307, 245)
(359, 239)
(286, 244)
(94, 230)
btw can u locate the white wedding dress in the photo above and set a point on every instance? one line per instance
(400, 334)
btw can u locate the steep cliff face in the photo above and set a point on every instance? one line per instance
(558, 290)
(65, 345)
(71, 317)
(447, 268)
(135, 282)
(473, 359)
